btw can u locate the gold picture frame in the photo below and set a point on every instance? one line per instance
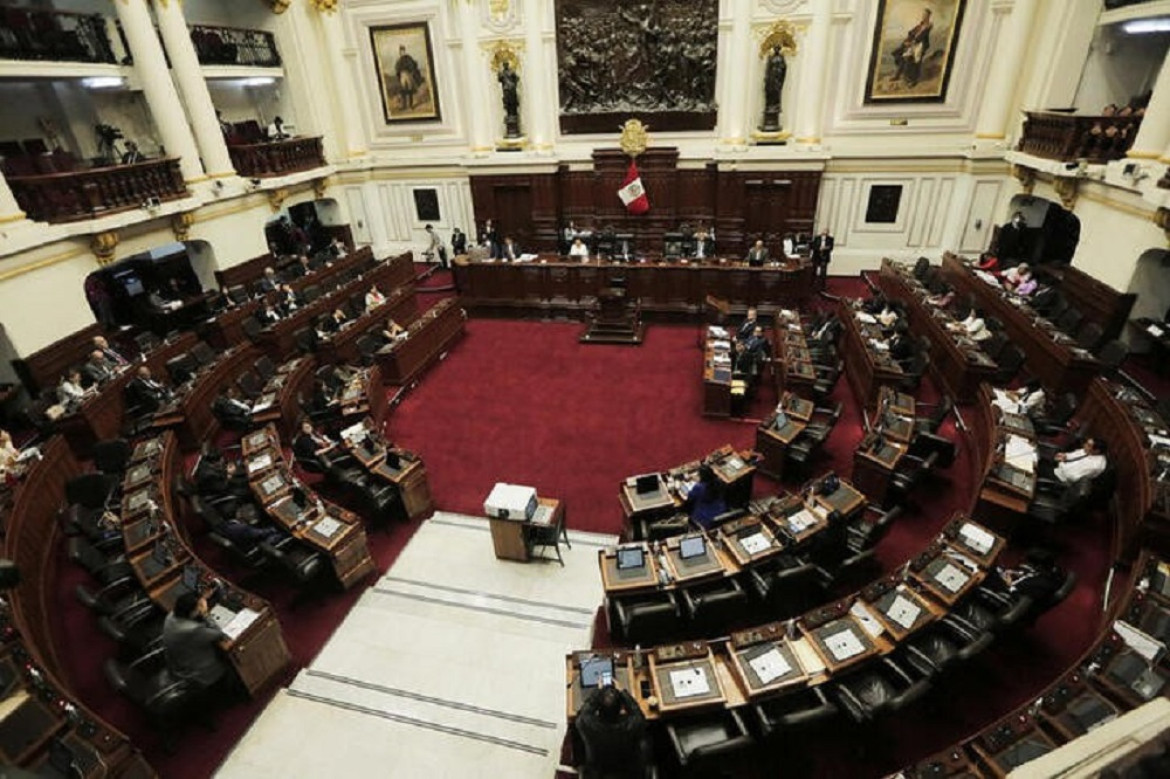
(404, 63)
(914, 44)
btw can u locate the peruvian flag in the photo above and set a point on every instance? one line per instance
(632, 193)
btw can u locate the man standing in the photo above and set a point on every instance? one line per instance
(749, 325)
(822, 255)
(458, 242)
(409, 78)
(435, 248)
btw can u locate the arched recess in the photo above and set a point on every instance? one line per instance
(305, 228)
(1151, 283)
(118, 293)
(1052, 231)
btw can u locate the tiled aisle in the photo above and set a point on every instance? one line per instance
(452, 665)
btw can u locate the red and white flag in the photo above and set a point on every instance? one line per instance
(632, 193)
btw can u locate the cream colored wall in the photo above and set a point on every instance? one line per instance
(42, 295)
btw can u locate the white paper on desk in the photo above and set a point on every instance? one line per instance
(715, 331)
(1144, 644)
(241, 622)
(755, 543)
(1155, 331)
(951, 578)
(867, 318)
(801, 521)
(977, 538)
(868, 621)
(770, 666)
(881, 346)
(326, 527)
(904, 612)
(259, 463)
(261, 405)
(843, 645)
(1159, 440)
(1020, 453)
(721, 358)
(721, 345)
(689, 682)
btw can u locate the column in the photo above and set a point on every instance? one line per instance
(304, 80)
(733, 109)
(999, 97)
(172, 25)
(478, 117)
(813, 56)
(533, 79)
(1154, 134)
(343, 80)
(165, 106)
(9, 208)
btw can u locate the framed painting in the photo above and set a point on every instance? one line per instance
(404, 62)
(913, 50)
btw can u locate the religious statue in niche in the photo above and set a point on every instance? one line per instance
(646, 58)
(509, 86)
(774, 73)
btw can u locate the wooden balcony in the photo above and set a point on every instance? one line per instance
(96, 192)
(60, 36)
(277, 158)
(232, 46)
(1069, 137)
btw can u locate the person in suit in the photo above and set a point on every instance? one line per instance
(314, 450)
(749, 325)
(289, 301)
(70, 392)
(489, 237)
(374, 297)
(333, 322)
(100, 344)
(268, 282)
(1011, 242)
(901, 347)
(220, 481)
(268, 315)
(704, 245)
(132, 155)
(145, 392)
(191, 643)
(757, 255)
(613, 730)
(705, 501)
(231, 411)
(99, 369)
(758, 343)
(458, 242)
(321, 399)
(509, 251)
(822, 255)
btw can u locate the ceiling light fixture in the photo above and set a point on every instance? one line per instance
(1144, 26)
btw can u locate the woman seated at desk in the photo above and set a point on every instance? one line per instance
(705, 500)
(579, 250)
(374, 298)
(393, 332)
(333, 322)
(973, 327)
(9, 455)
(70, 393)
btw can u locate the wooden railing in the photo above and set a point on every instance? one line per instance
(36, 34)
(1069, 137)
(277, 158)
(232, 46)
(85, 194)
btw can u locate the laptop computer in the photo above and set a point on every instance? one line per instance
(644, 485)
(593, 668)
(630, 558)
(692, 547)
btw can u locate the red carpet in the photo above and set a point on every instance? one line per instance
(524, 402)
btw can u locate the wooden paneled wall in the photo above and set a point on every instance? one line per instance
(740, 205)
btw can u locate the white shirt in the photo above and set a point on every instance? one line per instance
(68, 391)
(1031, 401)
(1080, 465)
(976, 328)
(578, 250)
(887, 317)
(374, 299)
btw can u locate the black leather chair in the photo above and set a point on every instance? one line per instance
(302, 564)
(913, 370)
(1056, 418)
(105, 568)
(784, 585)
(1069, 320)
(880, 686)
(1010, 359)
(252, 328)
(702, 740)
(711, 608)
(648, 619)
(801, 452)
(250, 385)
(367, 346)
(544, 536)
(793, 712)
(1112, 355)
(932, 423)
(264, 367)
(166, 701)
(1089, 335)
(904, 481)
(110, 457)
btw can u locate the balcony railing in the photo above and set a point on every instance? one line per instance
(85, 194)
(1068, 137)
(277, 158)
(34, 34)
(231, 46)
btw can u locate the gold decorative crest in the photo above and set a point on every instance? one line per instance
(279, 6)
(276, 197)
(325, 6)
(1162, 219)
(506, 51)
(783, 34)
(181, 224)
(1068, 189)
(1026, 176)
(320, 186)
(103, 246)
(499, 8)
(635, 137)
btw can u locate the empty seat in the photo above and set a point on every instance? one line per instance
(648, 619)
(708, 738)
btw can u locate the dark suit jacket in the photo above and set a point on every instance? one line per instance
(142, 394)
(822, 248)
(509, 253)
(707, 246)
(229, 413)
(756, 258)
(459, 244)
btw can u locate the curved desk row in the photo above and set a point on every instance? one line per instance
(427, 339)
(341, 347)
(867, 368)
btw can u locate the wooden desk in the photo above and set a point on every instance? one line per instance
(617, 582)
(664, 671)
(195, 401)
(718, 354)
(341, 347)
(866, 368)
(510, 537)
(551, 285)
(874, 463)
(955, 361)
(773, 443)
(428, 338)
(1052, 357)
(1005, 492)
(408, 474)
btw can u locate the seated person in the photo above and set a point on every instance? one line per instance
(333, 322)
(9, 454)
(231, 411)
(70, 393)
(942, 300)
(887, 316)
(613, 731)
(374, 298)
(100, 344)
(268, 315)
(288, 301)
(246, 536)
(1013, 277)
(749, 325)
(321, 400)
(973, 327)
(1030, 397)
(758, 255)
(1088, 462)
(1038, 577)
(579, 250)
(705, 501)
(509, 250)
(1028, 284)
(704, 245)
(268, 282)
(99, 369)
(337, 248)
(301, 267)
(146, 393)
(191, 643)
(314, 450)
(393, 332)
(223, 483)
(988, 262)
(901, 346)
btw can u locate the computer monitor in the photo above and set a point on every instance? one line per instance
(593, 668)
(646, 484)
(629, 557)
(781, 420)
(692, 546)
(393, 460)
